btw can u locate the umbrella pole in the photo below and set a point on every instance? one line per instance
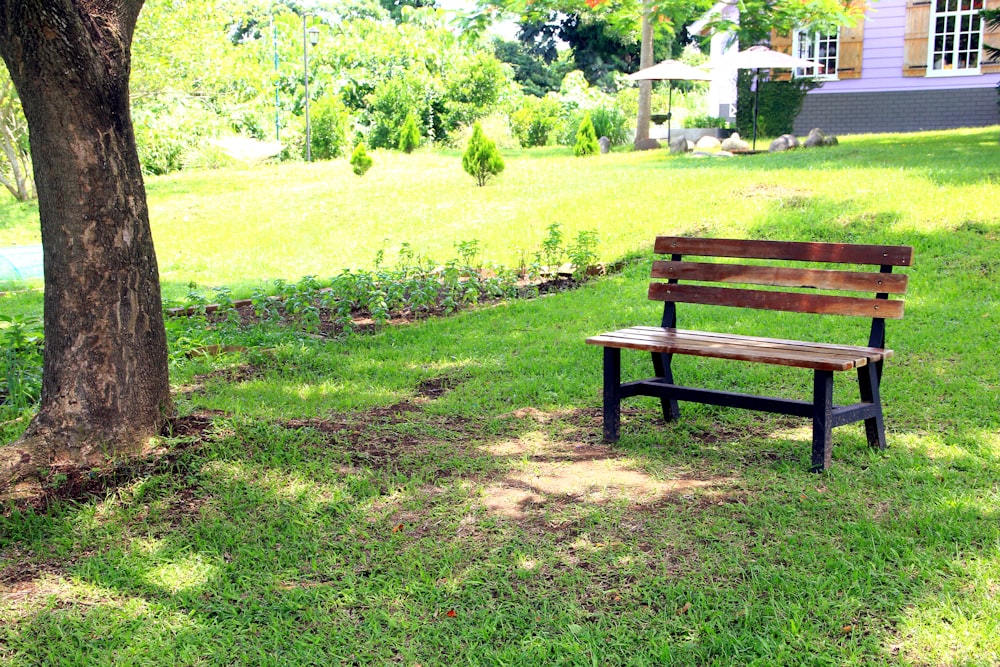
(756, 106)
(670, 106)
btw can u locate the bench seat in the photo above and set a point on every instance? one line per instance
(779, 276)
(800, 354)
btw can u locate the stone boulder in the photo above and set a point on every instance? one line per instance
(815, 139)
(646, 144)
(784, 143)
(708, 143)
(605, 145)
(830, 140)
(735, 144)
(681, 145)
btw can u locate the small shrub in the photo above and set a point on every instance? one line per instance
(409, 135)
(360, 160)
(612, 123)
(534, 122)
(583, 253)
(705, 120)
(330, 125)
(586, 139)
(481, 160)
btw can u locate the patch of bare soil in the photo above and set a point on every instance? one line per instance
(572, 466)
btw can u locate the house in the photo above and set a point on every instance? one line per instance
(908, 65)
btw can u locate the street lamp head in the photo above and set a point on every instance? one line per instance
(313, 35)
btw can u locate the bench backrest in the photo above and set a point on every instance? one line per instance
(804, 290)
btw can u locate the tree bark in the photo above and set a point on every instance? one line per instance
(645, 87)
(105, 386)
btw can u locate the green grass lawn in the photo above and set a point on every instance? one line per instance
(437, 493)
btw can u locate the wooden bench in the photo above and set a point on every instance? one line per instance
(801, 289)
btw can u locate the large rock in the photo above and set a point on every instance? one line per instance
(734, 144)
(681, 145)
(784, 143)
(815, 139)
(605, 144)
(646, 144)
(708, 143)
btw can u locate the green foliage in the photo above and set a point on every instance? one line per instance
(361, 162)
(394, 99)
(586, 139)
(779, 103)
(535, 120)
(582, 253)
(409, 134)
(474, 88)
(704, 120)
(207, 155)
(20, 365)
(536, 75)
(610, 122)
(481, 159)
(330, 128)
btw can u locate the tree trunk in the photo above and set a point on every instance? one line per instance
(105, 387)
(645, 87)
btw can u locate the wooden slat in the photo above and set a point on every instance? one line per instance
(846, 253)
(872, 353)
(840, 355)
(745, 348)
(793, 302)
(778, 276)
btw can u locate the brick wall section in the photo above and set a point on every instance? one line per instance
(902, 111)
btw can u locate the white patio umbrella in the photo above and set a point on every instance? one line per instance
(757, 58)
(670, 70)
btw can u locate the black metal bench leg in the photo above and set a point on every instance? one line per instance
(868, 380)
(612, 401)
(661, 367)
(822, 420)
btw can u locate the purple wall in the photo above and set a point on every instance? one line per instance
(882, 59)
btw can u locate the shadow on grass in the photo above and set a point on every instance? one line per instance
(438, 494)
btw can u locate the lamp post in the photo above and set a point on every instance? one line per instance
(309, 36)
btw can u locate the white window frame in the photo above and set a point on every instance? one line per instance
(956, 10)
(807, 49)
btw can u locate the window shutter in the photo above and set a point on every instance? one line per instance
(849, 50)
(918, 20)
(991, 37)
(783, 43)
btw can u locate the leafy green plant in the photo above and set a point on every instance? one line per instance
(330, 127)
(583, 253)
(409, 134)
(610, 122)
(779, 102)
(361, 162)
(20, 363)
(586, 138)
(550, 255)
(481, 160)
(704, 120)
(535, 121)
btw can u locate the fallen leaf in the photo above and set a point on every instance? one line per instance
(451, 613)
(847, 629)
(685, 609)
(397, 528)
